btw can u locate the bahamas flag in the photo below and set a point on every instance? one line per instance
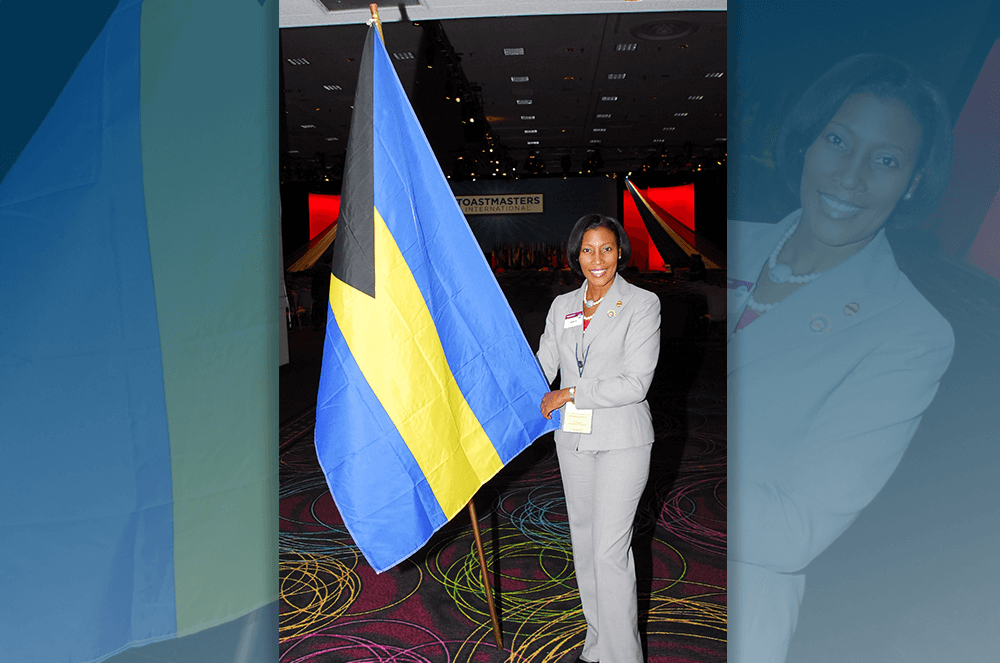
(428, 385)
(138, 363)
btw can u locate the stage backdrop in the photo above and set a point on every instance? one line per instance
(565, 201)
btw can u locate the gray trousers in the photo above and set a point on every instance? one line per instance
(602, 494)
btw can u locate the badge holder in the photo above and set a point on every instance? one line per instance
(575, 420)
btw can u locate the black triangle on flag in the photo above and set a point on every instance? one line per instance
(354, 248)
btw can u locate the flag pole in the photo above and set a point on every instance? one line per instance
(486, 578)
(373, 8)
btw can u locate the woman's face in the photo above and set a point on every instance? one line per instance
(857, 169)
(599, 257)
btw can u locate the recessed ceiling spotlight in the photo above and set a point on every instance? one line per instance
(333, 138)
(595, 141)
(696, 97)
(599, 129)
(669, 128)
(518, 79)
(513, 51)
(657, 140)
(297, 61)
(716, 74)
(680, 114)
(527, 117)
(532, 142)
(531, 131)
(308, 126)
(604, 116)
(720, 140)
(609, 98)
(407, 55)
(616, 77)
(332, 88)
(293, 151)
(524, 102)
(625, 47)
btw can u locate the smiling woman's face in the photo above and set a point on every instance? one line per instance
(857, 170)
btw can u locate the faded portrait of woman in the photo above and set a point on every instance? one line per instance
(833, 353)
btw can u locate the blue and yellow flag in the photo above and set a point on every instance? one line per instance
(428, 385)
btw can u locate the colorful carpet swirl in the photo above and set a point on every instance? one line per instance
(432, 608)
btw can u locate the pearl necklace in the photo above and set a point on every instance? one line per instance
(782, 273)
(590, 303)
(757, 306)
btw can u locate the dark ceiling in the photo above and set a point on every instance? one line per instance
(549, 95)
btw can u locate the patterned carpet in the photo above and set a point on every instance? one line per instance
(432, 607)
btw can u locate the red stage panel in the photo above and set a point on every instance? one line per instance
(644, 253)
(678, 201)
(986, 247)
(323, 211)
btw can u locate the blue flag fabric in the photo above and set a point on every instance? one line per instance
(428, 385)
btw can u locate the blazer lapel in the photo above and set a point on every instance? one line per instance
(606, 314)
(752, 249)
(850, 293)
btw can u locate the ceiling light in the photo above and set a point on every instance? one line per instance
(308, 126)
(524, 102)
(657, 140)
(680, 114)
(625, 47)
(720, 140)
(696, 97)
(716, 74)
(527, 117)
(332, 88)
(669, 128)
(599, 129)
(595, 141)
(518, 79)
(603, 116)
(297, 61)
(569, 78)
(532, 142)
(531, 131)
(609, 98)
(513, 51)
(615, 77)
(407, 55)
(333, 138)
(293, 151)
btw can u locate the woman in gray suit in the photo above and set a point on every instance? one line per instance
(603, 340)
(833, 353)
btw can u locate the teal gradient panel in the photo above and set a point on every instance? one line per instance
(85, 484)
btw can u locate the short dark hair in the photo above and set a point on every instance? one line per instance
(886, 78)
(589, 222)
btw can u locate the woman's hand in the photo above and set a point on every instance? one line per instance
(553, 401)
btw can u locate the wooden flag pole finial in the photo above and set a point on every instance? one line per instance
(373, 8)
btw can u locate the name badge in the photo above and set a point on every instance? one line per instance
(573, 320)
(575, 420)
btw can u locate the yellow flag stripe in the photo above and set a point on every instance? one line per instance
(396, 344)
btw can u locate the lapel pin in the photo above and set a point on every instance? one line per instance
(820, 323)
(619, 304)
(611, 314)
(852, 308)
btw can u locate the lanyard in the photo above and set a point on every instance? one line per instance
(581, 364)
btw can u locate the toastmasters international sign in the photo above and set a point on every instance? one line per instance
(518, 203)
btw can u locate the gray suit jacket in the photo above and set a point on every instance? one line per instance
(620, 349)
